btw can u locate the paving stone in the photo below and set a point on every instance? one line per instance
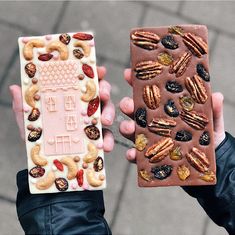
(157, 211)
(12, 152)
(172, 6)
(115, 164)
(8, 42)
(229, 114)
(111, 22)
(210, 12)
(35, 16)
(12, 78)
(214, 229)
(9, 223)
(222, 67)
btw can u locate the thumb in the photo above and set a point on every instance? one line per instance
(218, 117)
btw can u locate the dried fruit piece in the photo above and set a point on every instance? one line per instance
(175, 154)
(88, 70)
(145, 175)
(140, 142)
(176, 30)
(61, 184)
(30, 69)
(165, 59)
(162, 172)
(92, 132)
(159, 150)
(45, 57)
(208, 176)
(140, 117)
(196, 89)
(183, 135)
(204, 138)
(147, 70)
(65, 38)
(85, 47)
(98, 164)
(79, 177)
(146, 40)
(180, 65)
(171, 109)
(183, 172)
(169, 42)
(58, 165)
(83, 36)
(194, 119)
(34, 115)
(37, 172)
(35, 134)
(161, 126)
(198, 160)
(203, 73)
(187, 103)
(174, 87)
(78, 53)
(93, 106)
(195, 44)
(151, 96)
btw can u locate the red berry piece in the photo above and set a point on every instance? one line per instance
(93, 106)
(87, 69)
(83, 36)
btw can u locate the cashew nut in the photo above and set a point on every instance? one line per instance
(29, 95)
(72, 167)
(60, 47)
(90, 175)
(90, 91)
(46, 182)
(85, 47)
(92, 153)
(36, 158)
(28, 48)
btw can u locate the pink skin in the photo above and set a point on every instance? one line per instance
(127, 127)
(108, 112)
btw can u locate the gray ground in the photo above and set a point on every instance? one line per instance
(129, 210)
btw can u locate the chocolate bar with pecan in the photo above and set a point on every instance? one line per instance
(173, 108)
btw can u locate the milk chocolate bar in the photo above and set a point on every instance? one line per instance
(61, 106)
(173, 107)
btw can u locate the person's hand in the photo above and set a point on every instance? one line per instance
(108, 110)
(127, 127)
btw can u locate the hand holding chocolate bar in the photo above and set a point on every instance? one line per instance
(184, 90)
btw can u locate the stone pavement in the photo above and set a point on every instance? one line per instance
(129, 209)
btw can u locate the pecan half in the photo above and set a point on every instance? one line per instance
(198, 160)
(161, 126)
(180, 65)
(146, 40)
(147, 70)
(159, 150)
(195, 44)
(194, 119)
(196, 88)
(151, 96)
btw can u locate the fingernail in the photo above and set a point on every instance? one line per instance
(109, 118)
(11, 90)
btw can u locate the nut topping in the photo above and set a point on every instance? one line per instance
(194, 119)
(145, 175)
(195, 44)
(34, 115)
(208, 176)
(146, 40)
(140, 142)
(159, 150)
(198, 160)
(162, 126)
(180, 65)
(30, 69)
(196, 88)
(147, 70)
(151, 96)
(183, 172)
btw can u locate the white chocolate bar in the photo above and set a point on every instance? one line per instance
(62, 113)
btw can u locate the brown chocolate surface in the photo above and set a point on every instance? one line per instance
(146, 46)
